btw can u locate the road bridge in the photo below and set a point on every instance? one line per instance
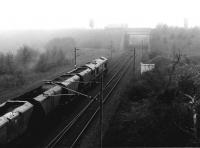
(138, 38)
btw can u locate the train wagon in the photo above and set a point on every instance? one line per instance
(50, 99)
(30, 108)
(105, 64)
(3, 130)
(93, 69)
(85, 74)
(100, 66)
(64, 99)
(73, 84)
(14, 120)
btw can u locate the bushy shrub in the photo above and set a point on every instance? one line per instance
(171, 39)
(156, 112)
(15, 68)
(154, 54)
(8, 65)
(140, 90)
(50, 59)
(26, 57)
(65, 45)
(11, 80)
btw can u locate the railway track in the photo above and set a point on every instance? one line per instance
(72, 132)
(69, 115)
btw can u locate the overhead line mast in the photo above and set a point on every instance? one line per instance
(75, 55)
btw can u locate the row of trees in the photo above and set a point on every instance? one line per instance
(172, 39)
(14, 68)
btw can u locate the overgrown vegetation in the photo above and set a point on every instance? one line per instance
(161, 108)
(16, 68)
(173, 39)
(29, 64)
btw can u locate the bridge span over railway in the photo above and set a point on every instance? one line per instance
(138, 38)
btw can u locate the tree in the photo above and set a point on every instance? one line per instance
(26, 57)
(2, 64)
(10, 66)
(91, 23)
(41, 65)
(49, 59)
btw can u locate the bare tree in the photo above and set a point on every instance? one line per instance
(177, 58)
(91, 23)
(26, 56)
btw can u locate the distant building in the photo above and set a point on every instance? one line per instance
(146, 67)
(116, 26)
(185, 23)
(91, 23)
(139, 38)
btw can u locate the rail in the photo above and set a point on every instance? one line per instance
(60, 135)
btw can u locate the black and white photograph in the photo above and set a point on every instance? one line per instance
(99, 73)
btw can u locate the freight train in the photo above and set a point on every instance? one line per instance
(18, 114)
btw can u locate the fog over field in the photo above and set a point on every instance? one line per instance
(34, 23)
(136, 62)
(10, 41)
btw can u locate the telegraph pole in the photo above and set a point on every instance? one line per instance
(149, 42)
(111, 49)
(134, 61)
(75, 55)
(101, 112)
(142, 47)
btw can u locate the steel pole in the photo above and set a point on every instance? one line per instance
(75, 57)
(101, 112)
(134, 61)
(142, 47)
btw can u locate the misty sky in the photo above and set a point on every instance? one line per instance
(58, 14)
